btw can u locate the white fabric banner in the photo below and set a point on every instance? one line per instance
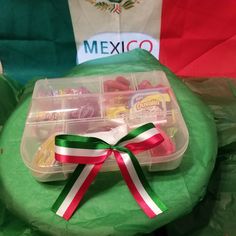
(107, 27)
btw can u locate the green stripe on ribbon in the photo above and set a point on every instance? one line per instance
(144, 182)
(68, 187)
(136, 132)
(76, 141)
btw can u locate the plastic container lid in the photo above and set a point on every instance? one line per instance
(89, 106)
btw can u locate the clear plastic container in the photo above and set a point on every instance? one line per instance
(99, 104)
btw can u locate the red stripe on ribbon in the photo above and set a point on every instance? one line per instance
(134, 191)
(146, 144)
(79, 195)
(80, 159)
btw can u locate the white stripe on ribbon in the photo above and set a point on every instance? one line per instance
(65, 151)
(77, 185)
(133, 174)
(142, 137)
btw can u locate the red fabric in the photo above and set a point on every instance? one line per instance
(198, 38)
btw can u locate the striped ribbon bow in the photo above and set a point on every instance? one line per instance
(92, 152)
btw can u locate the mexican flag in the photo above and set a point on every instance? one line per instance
(47, 38)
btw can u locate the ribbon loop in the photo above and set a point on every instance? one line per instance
(142, 138)
(92, 153)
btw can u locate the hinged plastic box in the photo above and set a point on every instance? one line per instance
(91, 105)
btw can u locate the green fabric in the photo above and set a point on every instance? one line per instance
(36, 38)
(10, 92)
(215, 215)
(108, 208)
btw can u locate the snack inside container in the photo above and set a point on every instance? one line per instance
(98, 106)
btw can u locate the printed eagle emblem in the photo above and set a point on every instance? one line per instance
(113, 6)
(116, 1)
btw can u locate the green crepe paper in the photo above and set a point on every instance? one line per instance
(108, 208)
(215, 215)
(10, 92)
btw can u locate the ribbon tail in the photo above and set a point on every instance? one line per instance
(138, 185)
(74, 190)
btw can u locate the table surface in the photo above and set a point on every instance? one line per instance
(108, 208)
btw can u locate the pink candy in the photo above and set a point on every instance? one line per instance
(119, 84)
(66, 91)
(123, 84)
(145, 84)
(167, 147)
(123, 80)
(82, 90)
(75, 107)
